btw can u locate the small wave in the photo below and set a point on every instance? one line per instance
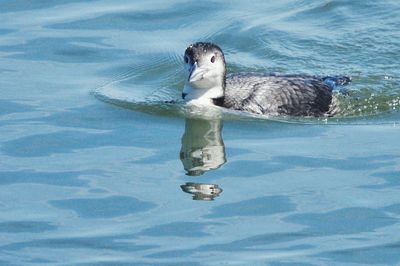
(137, 89)
(355, 110)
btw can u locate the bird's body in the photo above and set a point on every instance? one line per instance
(271, 94)
(294, 95)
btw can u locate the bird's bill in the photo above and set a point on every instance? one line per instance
(196, 73)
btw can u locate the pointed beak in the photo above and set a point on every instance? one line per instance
(195, 73)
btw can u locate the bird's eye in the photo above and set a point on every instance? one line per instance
(186, 59)
(213, 59)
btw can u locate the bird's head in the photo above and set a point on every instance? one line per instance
(205, 71)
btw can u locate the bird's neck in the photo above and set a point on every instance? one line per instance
(214, 95)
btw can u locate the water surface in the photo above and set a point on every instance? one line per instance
(95, 171)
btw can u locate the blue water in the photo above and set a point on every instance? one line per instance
(95, 170)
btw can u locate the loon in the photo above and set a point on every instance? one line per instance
(270, 94)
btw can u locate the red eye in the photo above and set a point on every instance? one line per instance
(213, 59)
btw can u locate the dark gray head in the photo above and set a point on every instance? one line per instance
(196, 52)
(205, 71)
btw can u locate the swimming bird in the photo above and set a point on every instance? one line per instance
(272, 94)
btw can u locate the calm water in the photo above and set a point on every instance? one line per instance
(94, 171)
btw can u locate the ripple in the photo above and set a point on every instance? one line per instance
(65, 50)
(25, 227)
(50, 178)
(343, 221)
(319, 193)
(113, 206)
(9, 107)
(253, 207)
(152, 84)
(357, 107)
(178, 229)
(242, 245)
(96, 243)
(21, 5)
(379, 254)
(178, 15)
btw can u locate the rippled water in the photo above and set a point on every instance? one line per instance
(94, 170)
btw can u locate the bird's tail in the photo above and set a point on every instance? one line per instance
(334, 81)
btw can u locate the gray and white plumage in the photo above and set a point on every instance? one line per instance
(279, 95)
(271, 94)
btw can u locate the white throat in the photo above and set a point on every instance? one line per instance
(201, 95)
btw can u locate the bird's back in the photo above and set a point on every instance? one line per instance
(294, 95)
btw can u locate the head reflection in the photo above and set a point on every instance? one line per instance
(202, 191)
(202, 146)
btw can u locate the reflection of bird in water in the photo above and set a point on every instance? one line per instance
(202, 146)
(202, 191)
